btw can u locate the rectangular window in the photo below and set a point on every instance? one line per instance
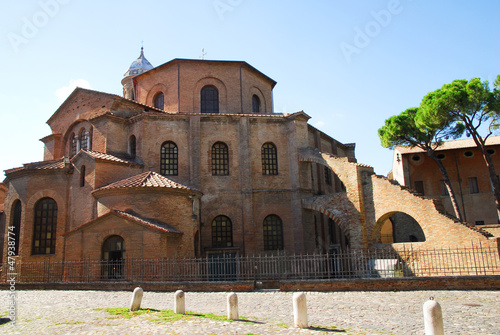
(479, 223)
(419, 187)
(473, 185)
(328, 176)
(444, 190)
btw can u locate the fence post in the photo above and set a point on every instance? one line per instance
(299, 310)
(433, 318)
(180, 302)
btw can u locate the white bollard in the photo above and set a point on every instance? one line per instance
(135, 302)
(180, 302)
(433, 318)
(232, 306)
(299, 310)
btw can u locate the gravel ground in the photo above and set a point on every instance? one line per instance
(266, 312)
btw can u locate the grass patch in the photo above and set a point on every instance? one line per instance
(163, 315)
(68, 323)
(282, 325)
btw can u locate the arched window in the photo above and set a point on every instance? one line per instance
(44, 232)
(132, 146)
(220, 159)
(169, 159)
(222, 232)
(255, 104)
(158, 100)
(82, 176)
(84, 139)
(273, 233)
(16, 226)
(209, 99)
(269, 159)
(72, 145)
(113, 250)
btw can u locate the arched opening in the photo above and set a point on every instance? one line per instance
(44, 232)
(158, 100)
(400, 228)
(255, 104)
(209, 99)
(82, 176)
(113, 250)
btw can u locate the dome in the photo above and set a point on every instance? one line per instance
(139, 66)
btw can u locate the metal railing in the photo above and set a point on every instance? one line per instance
(348, 264)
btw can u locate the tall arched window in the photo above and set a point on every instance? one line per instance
(169, 159)
(220, 159)
(44, 232)
(16, 224)
(132, 146)
(73, 145)
(273, 233)
(269, 159)
(222, 232)
(84, 139)
(255, 104)
(209, 99)
(82, 176)
(113, 250)
(158, 100)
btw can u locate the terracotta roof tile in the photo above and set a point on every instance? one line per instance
(146, 179)
(166, 228)
(44, 165)
(108, 157)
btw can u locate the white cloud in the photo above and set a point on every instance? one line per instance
(63, 92)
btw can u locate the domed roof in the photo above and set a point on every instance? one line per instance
(139, 66)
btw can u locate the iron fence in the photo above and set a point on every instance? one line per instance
(347, 264)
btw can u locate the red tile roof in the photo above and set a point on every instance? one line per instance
(450, 145)
(161, 226)
(107, 157)
(150, 223)
(146, 179)
(44, 165)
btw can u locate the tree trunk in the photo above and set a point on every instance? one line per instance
(447, 183)
(495, 183)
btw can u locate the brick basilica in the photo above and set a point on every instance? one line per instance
(193, 161)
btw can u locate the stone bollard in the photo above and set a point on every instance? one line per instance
(180, 302)
(232, 306)
(299, 310)
(135, 303)
(433, 318)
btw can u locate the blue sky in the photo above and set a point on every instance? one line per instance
(348, 64)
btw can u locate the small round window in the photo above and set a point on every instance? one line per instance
(415, 158)
(468, 154)
(491, 151)
(441, 156)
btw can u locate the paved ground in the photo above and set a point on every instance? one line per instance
(74, 312)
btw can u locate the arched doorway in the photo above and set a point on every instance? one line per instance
(399, 228)
(113, 250)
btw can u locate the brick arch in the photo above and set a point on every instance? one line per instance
(379, 223)
(254, 90)
(210, 81)
(153, 91)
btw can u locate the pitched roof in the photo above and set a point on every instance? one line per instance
(155, 224)
(149, 223)
(106, 157)
(44, 165)
(144, 180)
(451, 145)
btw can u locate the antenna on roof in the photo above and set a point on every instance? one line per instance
(203, 53)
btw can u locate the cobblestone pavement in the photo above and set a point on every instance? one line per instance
(268, 312)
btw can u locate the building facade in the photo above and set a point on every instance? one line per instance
(192, 161)
(468, 174)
